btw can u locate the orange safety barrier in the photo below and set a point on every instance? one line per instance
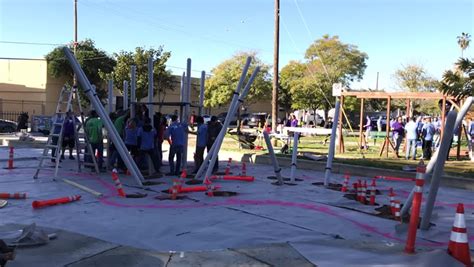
(458, 242)
(118, 184)
(233, 178)
(13, 196)
(50, 202)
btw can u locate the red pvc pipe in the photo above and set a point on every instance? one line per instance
(392, 178)
(13, 196)
(50, 202)
(233, 178)
(188, 189)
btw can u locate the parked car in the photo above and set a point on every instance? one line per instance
(7, 126)
(258, 119)
(243, 117)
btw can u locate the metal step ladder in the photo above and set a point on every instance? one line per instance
(52, 149)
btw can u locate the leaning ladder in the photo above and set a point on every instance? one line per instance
(55, 138)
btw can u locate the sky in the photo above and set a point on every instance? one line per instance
(394, 33)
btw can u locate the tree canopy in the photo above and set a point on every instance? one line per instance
(225, 77)
(459, 83)
(162, 78)
(94, 62)
(414, 78)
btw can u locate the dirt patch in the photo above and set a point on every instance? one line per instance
(332, 186)
(224, 194)
(284, 178)
(193, 182)
(152, 183)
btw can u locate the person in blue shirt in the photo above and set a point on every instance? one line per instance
(131, 138)
(175, 136)
(146, 136)
(68, 134)
(411, 130)
(427, 133)
(201, 142)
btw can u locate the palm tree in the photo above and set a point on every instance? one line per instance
(459, 83)
(463, 41)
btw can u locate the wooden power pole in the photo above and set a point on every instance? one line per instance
(275, 67)
(75, 38)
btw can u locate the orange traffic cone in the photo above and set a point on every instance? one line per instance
(373, 191)
(363, 196)
(345, 184)
(175, 188)
(244, 169)
(396, 210)
(227, 168)
(118, 184)
(458, 242)
(359, 190)
(391, 194)
(44, 203)
(13, 196)
(10, 159)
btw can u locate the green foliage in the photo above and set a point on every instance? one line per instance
(291, 76)
(94, 62)
(463, 41)
(225, 77)
(413, 78)
(328, 61)
(162, 78)
(459, 83)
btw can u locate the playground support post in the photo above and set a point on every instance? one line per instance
(125, 95)
(114, 136)
(438, 169)
(110, 96)
(362, 140)
(332, 145)
(186, 97)
(151, 107)
(235, 98)
(133, 90)
(294, 155)
(201, 92)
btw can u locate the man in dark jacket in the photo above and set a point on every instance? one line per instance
(214, 127)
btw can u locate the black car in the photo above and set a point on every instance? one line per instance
(7, 126)
(258, 119)
(243, 117)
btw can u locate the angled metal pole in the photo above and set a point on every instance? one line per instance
(133, 90)
(220, 138)
(186, 97)
(438, 169)
(332, 145)
(276, 166)
(235, 98)
(201, 93)
(114, 136)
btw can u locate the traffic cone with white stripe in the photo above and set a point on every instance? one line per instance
(117, 182)
(359, 190)
(10, 159)
(391, 194)
(175, 188)
(227, 168)
(345, 183)
(396, 210)
(373, 191)
(363, 195)
(458, 242)
(13, 195)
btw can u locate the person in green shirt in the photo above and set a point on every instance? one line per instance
(114, 157)
(94, 133)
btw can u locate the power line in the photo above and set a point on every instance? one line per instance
(29, 43)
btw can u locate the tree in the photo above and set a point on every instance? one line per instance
(162, 78)
(413, 78)
(463, 41)
(459, 83)
(225, 77)
(328, 61)
(290, 77)
(94, 62)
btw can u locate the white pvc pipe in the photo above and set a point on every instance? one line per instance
(235, 99)
(201, 92)
(133, 90)
(276, 166)
(82, 187)
(332, 144)
(151, 110)
(110, 99)
(294, 155)
(125, 95)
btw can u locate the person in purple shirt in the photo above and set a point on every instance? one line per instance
(398, 131)
(294, 121)
(146, 136)
(68, 134)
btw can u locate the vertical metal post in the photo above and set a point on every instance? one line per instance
(110, 96)
(294, 155)
(186, 97)
(332, 145)
(387, 127)
(114, 136)
(125, 95)
(340, 138)
(438, 169)
(181, 97)
(150, 90)
(361, 126)
(275, 67)
(201, 92)
(133, 90)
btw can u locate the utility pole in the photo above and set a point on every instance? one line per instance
(275, 67)
(75, 38)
